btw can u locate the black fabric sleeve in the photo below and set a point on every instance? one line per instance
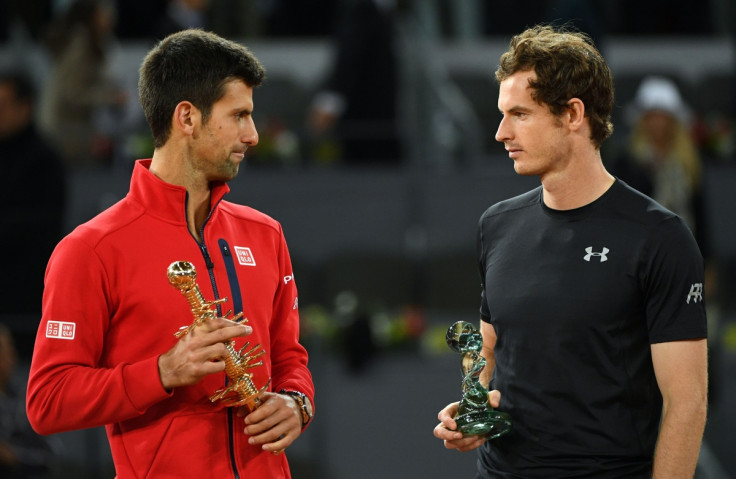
(673, 281)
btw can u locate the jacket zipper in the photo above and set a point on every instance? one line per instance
(237, 307)
(211, 272)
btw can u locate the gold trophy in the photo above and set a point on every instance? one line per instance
(241, 391)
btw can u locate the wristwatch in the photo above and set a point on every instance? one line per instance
(305, 405)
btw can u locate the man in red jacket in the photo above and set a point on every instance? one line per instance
(106, 353)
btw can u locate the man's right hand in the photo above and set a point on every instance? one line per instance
(198, 353)
(446, 430)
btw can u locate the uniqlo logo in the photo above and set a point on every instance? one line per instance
(60, 330)
(245, 256)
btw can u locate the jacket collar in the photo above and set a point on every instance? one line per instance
(162, 199)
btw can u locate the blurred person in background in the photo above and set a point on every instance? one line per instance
(32, 202)
(180, 15)
(359, 101)
(23, 453)
(79, 87)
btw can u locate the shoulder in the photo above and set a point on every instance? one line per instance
(254, 217)
(664, 234)
(635, 206)
(517, 204)
(108, 222)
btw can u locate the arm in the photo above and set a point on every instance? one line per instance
(445, 430)
(278, 421)
(70, 385)
(68, 389)
(488, 352)
(681, 370)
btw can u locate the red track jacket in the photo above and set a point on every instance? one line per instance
(109, 312)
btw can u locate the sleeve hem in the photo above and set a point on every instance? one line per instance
(143, 384)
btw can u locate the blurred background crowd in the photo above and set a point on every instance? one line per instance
(377, 155)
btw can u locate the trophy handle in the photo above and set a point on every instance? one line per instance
(240, 391)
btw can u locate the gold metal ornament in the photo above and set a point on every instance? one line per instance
(240, 391)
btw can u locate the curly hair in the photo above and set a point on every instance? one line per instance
(567, 65)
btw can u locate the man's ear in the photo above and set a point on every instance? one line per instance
(186, 118)
(576, 112)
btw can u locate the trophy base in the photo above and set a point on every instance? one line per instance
(490, 423)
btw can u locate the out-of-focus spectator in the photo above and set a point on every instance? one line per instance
(299, 18)
(32, 201)
(661, 159)
(359, 101)
(136, 19)
(23, 453)
(181, 15)
(79, 87)
(30, 17)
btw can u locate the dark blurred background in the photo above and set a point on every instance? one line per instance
(377, 155)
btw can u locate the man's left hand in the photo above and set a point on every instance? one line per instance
(275, 424)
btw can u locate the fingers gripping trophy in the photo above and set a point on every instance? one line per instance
(475, 415)
(240, 391)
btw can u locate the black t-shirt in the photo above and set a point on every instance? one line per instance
(576, 298)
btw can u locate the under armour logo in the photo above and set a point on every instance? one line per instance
(591, 253)
(696, 293)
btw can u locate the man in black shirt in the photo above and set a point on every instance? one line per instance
(592, 309)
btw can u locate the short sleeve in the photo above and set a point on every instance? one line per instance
(673, 282)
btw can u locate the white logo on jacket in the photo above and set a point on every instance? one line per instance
(60, 329)
(245, 256)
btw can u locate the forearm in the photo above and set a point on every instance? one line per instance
(680, 436)
(487, 373)
(488, 351)
(69, 397)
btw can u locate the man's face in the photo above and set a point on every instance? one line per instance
(221, 142)
(533, 136)
(14, 114)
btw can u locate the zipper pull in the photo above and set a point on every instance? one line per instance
(207, 259)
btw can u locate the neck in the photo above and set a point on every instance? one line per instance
(171, 169)
(580, 183)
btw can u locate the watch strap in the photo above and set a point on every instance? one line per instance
(301, 401)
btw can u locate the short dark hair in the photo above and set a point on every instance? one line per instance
(567, 65)
(191, 65)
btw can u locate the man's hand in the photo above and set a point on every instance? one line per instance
(453, 439)
(197, 354)
(275, 424)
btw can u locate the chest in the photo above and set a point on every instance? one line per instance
(561, 277)
(146, 310)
